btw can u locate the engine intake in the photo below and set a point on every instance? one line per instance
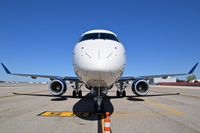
(57, 87)
(140, 87)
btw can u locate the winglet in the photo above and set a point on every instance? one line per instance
(192, 70)
(6, 69)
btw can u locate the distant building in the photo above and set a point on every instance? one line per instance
(163, 80)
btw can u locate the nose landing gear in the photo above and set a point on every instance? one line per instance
(99, 94)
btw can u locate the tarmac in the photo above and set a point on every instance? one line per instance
(29, 108)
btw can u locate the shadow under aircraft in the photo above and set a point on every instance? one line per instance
(85, 109)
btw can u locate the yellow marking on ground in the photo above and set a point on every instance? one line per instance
(65, 114)
(164, 107)
(13, 95)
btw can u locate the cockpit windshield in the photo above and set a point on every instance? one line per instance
(93, 36)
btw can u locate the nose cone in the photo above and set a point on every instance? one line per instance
(99, 56)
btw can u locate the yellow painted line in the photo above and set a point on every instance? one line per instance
(65, 114)
(13, 95)
(164, 107)
(57, 114)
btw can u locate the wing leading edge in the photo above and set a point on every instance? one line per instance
(157, 76)
(34, 76)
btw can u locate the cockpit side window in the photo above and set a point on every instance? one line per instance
(107, 36)
(93, 36)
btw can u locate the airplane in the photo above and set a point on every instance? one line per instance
(99, 59)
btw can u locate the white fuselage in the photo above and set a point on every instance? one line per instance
(99, 62)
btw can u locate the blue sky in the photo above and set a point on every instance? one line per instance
(38, 36)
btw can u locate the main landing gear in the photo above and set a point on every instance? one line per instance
(77, 92)
(121, 90)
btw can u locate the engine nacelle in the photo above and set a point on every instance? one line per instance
(57, 87)
(140, 87)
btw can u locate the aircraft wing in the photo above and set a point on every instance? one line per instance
(123, 79)
(34, 76)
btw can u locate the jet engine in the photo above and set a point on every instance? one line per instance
(57, 87)
(140, 87)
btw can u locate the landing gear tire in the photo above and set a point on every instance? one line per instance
(121, 94)
(80, 93)
(74, 94)
(118, 93)
(124, 93)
